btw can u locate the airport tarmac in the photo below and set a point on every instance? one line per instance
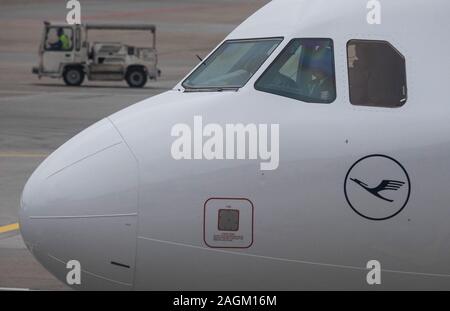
(37, 116)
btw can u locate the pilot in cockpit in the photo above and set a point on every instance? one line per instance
(320, 82)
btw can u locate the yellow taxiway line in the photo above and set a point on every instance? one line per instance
(9, 228)
(22, 155)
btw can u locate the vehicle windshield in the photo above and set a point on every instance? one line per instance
(232, 64)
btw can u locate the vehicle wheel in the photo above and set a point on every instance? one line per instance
(73, 76)
(136, 77)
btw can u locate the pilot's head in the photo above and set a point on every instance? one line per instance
(60, 31)
(320, 63)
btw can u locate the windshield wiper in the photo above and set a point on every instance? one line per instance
(210, 89)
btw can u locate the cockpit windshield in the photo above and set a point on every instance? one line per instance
(232, 64)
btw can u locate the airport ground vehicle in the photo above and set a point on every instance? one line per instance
(65, 52)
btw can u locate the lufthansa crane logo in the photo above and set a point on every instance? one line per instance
(377, 187)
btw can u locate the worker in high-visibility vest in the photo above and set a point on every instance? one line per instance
(63, 40)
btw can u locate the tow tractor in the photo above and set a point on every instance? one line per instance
(66, 52)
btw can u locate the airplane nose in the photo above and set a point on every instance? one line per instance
(81, 204)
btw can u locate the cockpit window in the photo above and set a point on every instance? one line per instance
(304, 70)
(376, 74)
(232, 64)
